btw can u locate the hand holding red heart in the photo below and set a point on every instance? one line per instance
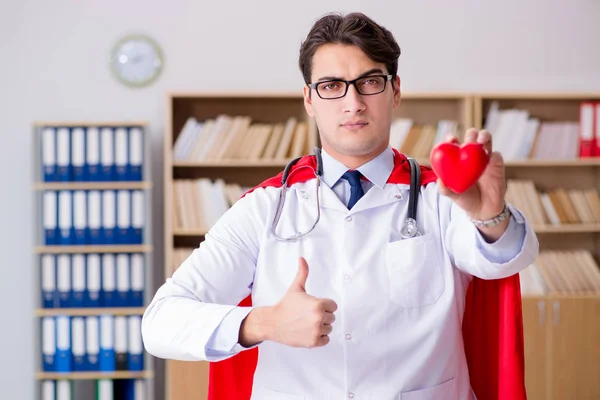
(475, 172)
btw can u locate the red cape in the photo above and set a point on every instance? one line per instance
(492, 323)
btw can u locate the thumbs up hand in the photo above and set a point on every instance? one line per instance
(297, 320)
(303, 320)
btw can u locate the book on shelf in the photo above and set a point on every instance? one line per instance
(199, 203)
(519, 135)
(238, 137)
(558, 206)
(560, 272)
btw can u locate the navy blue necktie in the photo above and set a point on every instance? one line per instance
(356, 190)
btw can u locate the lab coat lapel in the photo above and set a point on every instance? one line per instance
(377, 197)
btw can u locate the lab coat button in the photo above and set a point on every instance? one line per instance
(348, 336)
(351, 395)
(347, 277)
(348, 218)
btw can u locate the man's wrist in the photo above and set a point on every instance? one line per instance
(256, 327)
(492, 229)
(493, 221)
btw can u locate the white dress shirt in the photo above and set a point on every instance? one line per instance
(397, 334)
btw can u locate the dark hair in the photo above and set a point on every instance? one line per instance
(356, 29)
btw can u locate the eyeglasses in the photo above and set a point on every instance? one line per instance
(335, 89)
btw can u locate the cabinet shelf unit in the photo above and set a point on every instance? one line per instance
(92, 257)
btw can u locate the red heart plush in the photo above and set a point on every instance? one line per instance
(459, 166)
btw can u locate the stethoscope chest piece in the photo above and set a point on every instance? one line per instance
(409, 229)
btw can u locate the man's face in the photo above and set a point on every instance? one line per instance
(354, 125)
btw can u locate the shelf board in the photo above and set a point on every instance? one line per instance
(95, 311)
(94, 375)
(94, 249)
(190, 232)
(231, 163)
(567, 228)
(90, 123)
(142, 185)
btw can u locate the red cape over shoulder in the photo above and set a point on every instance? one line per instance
(492, 323)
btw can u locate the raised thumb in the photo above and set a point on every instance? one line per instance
(301, 275)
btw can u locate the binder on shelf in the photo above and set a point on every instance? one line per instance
(48, 280)
(121, 154)
(78, 154)
(107, 154)
(63, 154)
(597, 127)
(65, 290)
(129, 389)
(124, 216)
(137, 280)
(107, 347)
(93, 281)
(49, 164)
(65, 217)
(92, 343)
(136, 154)
(109, 284)
(80, 229)
(63, 344)
(135, 357)
(48, 344)
(92, 161)
(78, 283)
(121, 354)
(64, 390)
(109, 226)
(48, 390)
(50, 217)
(587, 140)
(123, 281)
(94, 217)
(79, 350)
(105, 389)
(138, 220)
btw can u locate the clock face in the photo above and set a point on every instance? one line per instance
(136, 60)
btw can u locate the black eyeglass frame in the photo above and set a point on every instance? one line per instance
(352, 82)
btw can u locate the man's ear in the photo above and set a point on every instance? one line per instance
(396, 86)
(307, 101)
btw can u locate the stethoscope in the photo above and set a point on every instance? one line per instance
(409, 229)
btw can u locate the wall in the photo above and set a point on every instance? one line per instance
(53, 67)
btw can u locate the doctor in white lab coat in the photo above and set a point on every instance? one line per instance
(351, 309)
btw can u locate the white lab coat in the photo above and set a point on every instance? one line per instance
(397, 333)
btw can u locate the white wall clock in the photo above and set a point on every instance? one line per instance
(136, 60)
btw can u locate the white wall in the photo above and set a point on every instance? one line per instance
(52, 67)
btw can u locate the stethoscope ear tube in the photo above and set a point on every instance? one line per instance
(415, 183)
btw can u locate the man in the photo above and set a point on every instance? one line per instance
(350, 309)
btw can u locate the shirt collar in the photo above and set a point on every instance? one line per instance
(377, 171)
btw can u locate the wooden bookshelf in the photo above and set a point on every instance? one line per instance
(561, 324)
(546, 315)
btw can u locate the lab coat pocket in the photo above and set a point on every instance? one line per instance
(262, 393)
(444, 391)
(414, 271)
